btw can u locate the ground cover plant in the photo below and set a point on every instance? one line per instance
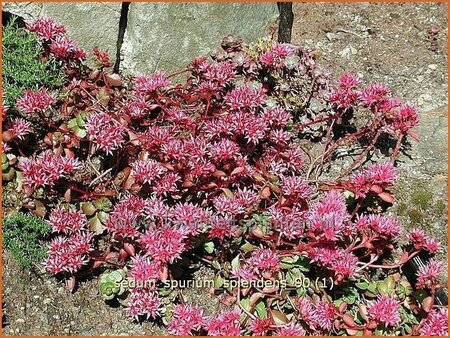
(258, 164)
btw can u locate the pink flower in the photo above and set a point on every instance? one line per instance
(137, 107)
(349, 81)
(102, 57)
(291, 330)
(290, 223)
(265, 260)
(276, 55)
(189, 218)
(220, 73)
(147, 171)
(155, 137)
(185, 319)
(147, 85)
(34, 101)
(329, 217)
(380, 175)
(143, 302)
(123, 220)
(245, 97)
(423, 241)
(65, 48)
(277, 116)
(222, 227)
(225, 324)
(428, 275)
(259, 327)
(155, 208)
(247, 197)
(46, 169)
(385, 310)
(228, 206)
(46, 28)
(405, 117)
(382, 225)
(319, 316)
(143, 269)
(20, 128)
(67, 221)
(68, 253)
(224, 150)
(436, 323)
(164, 245)
(374, 94)
(296, 188)
(106, 132)
(344, 98)
(343, 264)
(167, 183)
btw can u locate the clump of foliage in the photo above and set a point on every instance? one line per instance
(22, 64)
(23, 235)
(230, 168)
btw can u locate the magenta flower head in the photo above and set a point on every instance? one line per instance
(148, 85)
(428, 274)
(19, 128)
(143, 269)
(67, 221)
(405, 117)
(225, 324)
(143, 302)
(46, 28)
(34, 101)
(245, 97)
(436, 323)
(106, 132)
(265, 260)
(186, 319)
(291, 330)
(385, 310)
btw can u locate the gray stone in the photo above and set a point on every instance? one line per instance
(91, 25)
(168, 35)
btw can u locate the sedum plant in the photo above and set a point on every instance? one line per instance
(258, 165)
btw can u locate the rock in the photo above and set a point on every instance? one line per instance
(168, 35)
(91, 25)
(433, 66)
(348, 51)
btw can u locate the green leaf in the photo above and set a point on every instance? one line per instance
(235, 263)
(209, 247)
(261, 309)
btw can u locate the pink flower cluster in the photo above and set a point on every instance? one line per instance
(68, 253)
(436, 323)
(148, 85)
(106, 132)
(186, 319)
(19, 128)
(53, 34)
(428, 274)
(35, 101)
(46, 169)
(319, 316)
(143, 302)
(374, 178)
(225, 324)
(385, 310)
(422, 241)
(275, 56)
(67, 221)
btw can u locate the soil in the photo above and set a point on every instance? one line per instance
(403, 45)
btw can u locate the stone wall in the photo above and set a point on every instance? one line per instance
(157, 35)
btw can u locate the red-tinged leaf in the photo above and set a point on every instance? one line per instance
(168, 166)
(164, 273)
(110, 193)
(123, 255)
(228, 192)
(97, 264)
(237, 170)
(114, 80)
(219, 173)
(387, 197)
(352, 332)
(414, 135)
(274, 188)
(70, 283)
(128, 183)
(404, 258)
(129, 248)
(39, 208)
(348, 320)
(343, 307)
(7, 136)
(427, 303)
(254, 298)
(265, 193)
(376, 189)
(279, 318)
(111, 256)
(187, 184)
